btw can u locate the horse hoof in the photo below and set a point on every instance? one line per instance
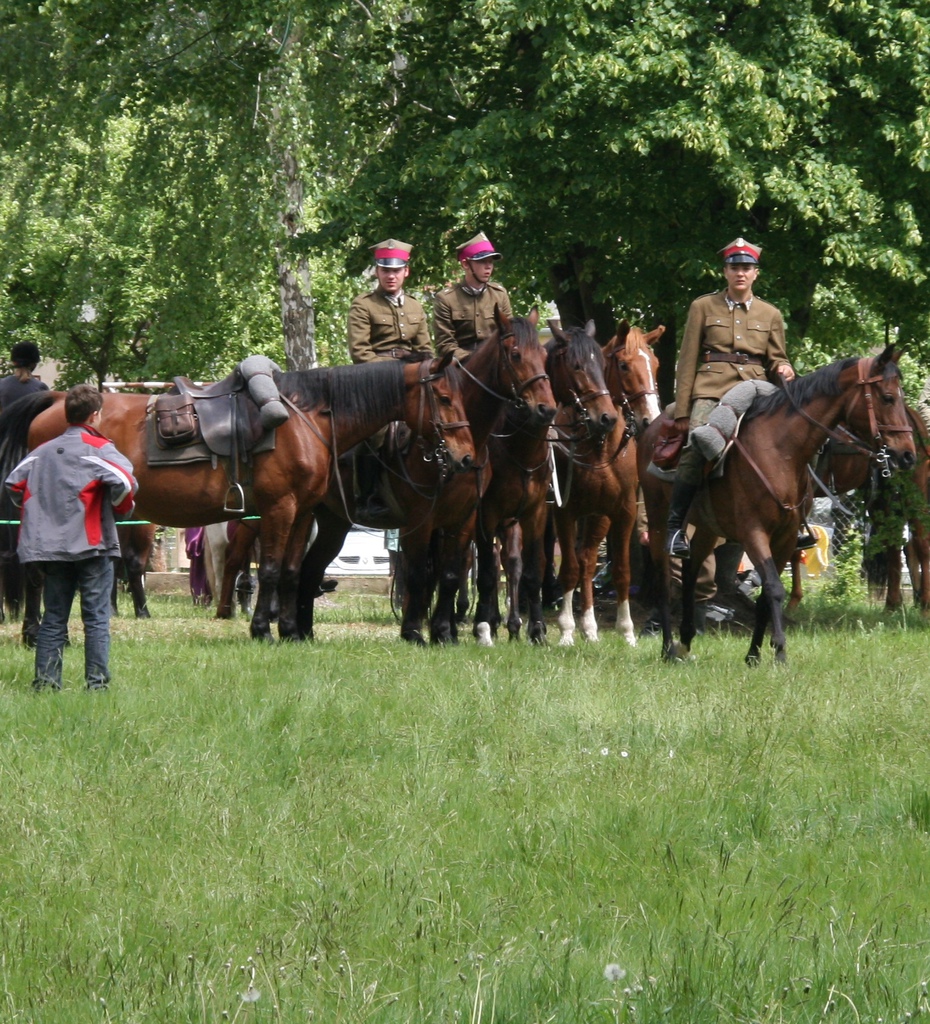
(678, 653)
(483, 634)
(143, 613)
(753, 660)
(566, 640)
(414, 638)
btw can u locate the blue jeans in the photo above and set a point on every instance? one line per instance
(94, 578)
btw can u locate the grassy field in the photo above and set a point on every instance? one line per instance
(356, 830)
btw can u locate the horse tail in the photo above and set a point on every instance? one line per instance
(15, 421)
(876, 563)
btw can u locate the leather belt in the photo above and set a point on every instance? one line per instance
(400, 353)
(740, 358)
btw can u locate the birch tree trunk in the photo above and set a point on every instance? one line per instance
(294, 279)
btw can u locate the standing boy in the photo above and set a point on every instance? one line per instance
(69, 490)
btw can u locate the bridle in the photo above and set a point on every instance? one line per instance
(517, 386)
(580, 402)
(875, 448)
(627, 398)
(429, 404)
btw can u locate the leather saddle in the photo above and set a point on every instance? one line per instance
(223, 416)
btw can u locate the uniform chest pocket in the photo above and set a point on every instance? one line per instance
(765, 326)
(383, 319)
(414, 318)
(718, 329)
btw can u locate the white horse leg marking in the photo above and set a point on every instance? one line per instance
(625, 623)
(483, 634)
(589, 625)
(566, 621)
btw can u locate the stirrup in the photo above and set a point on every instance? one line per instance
(677, 545)
(237, 505)
(806, 539)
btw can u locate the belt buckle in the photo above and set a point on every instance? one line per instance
(742, 358)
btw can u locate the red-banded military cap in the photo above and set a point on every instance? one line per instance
(478, 248)
(741, 251)
(391, 253)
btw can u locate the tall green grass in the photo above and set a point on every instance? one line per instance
(357, 830)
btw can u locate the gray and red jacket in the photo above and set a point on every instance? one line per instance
(69, 490)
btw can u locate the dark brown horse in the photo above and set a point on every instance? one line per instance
(435, 511)
(331, 410)
(513, 508)
(842, 468)
(598, 486)
(136, 541)
(764, 490)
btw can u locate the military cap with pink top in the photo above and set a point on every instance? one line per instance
(478, 248)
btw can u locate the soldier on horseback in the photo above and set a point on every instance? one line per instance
(731, 336)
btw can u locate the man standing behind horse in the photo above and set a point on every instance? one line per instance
(730, 336)
(463, 313)
(384, 324)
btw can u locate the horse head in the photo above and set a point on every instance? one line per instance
(876, 412)
(442, 407)
(521, 369)
(631, 368)
(576, 367)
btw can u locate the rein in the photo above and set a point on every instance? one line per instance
(517, 387)
(842, 434)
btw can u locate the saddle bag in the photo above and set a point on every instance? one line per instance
(667, 450)
(176, 421)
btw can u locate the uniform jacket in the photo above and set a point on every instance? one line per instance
(69, 490)
(461, 322)
(712, 327)
(378, 329)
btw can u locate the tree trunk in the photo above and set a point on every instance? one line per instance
(574, 293)
(294, 278)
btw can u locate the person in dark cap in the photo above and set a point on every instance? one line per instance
(730, 336)
(387, 323)
(384, 324)
(463, 313)
(25, 358)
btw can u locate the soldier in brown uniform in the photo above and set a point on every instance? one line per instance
(387, 323)
(463, 313)
(730, 336)
(384, 324)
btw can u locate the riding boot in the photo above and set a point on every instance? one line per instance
(370, 508)
(677, 539)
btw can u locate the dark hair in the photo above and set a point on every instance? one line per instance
(25, 353)
(81, 402)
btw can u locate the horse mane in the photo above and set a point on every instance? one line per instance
(822, 383)
(581, 346)
(350, 391)
(635, 341)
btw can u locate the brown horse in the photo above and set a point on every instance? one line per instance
(842, 468)
(599, 486)
(513, 508)
(435, 510)
(764, 489)
(331, 410)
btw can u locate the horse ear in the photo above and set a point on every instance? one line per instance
(590, 329)
(534, 316)
(888, 356)
(557, 331)
(653, 336)
(623, 329)
(441, 363)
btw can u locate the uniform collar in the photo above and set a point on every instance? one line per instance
(733, 304)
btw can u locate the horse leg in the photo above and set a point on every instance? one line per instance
(621, 532)
(512, 552)
(416, 548)
(487, 614)
(551, 591)
(451, 550)
(532, 561)
(893, 599)
(275, 531)
(594, 530)
(568, 576)
(289, 580)
(769, 607)
(330, 536)
(136, 560)
(797, 591)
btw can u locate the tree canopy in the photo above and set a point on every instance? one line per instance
(608, 149)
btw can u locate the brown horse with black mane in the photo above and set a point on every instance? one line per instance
(513, 509)
(599, 486)
(330, 410)
(764, 489)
